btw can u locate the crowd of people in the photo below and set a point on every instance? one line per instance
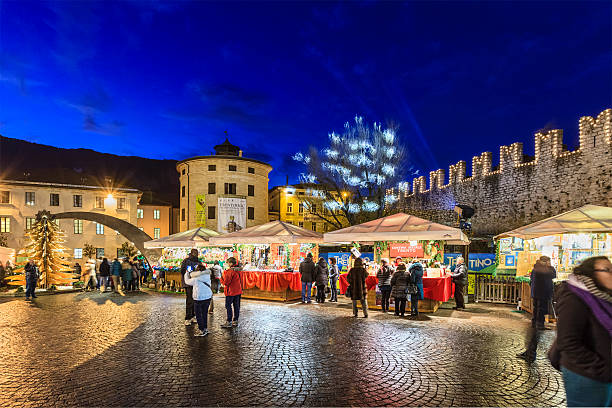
(120, 275)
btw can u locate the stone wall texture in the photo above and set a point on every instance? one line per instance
(517, 192)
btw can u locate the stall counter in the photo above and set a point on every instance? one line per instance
(271, 285)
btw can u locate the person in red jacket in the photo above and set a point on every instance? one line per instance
(232, 283)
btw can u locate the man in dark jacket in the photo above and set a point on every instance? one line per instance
(307, 270)
(190, 263)
(384, 283)
(460, 280)
(31, 277)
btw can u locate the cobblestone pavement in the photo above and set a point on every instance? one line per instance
(104, 350)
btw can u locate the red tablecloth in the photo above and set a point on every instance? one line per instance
(440, 289)
(271, 281)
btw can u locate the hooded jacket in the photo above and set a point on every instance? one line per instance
(322, 273)
(116, 268)
(232, 281)
(384, 275)
(189, 261)
(307, 270)
(416, 277)
(104, 268)
(201, 284)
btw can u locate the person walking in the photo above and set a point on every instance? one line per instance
(384, 283)
(459, 277)
(334, 275)
(215, 278)
(416, 277)
(399, 282)
(90, 275)
(542, 276)
(356, 279)
(116, 274)
(582, 350)
(104, 275)
(322, 278)
(189, 264)
(126, 274)
(31, 278)
(232, 283)
(307, 271)
(200, 281)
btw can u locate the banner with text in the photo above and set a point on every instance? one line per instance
(232, 214)
(406, 250)
(475, 263)
(201, 210)
(343, 258)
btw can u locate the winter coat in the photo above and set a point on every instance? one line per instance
(356, 278)
(384, 276)
(334, 274)
(307, 270)
(126, 271)
(189, 261)
(582, 343)
(416, 277)
(201, 285)
(232, 281)
(322, 274)
(105, 269)
(460, 275)
(91, 268)
(116, 268)
(542, 281)
(31, 272)
(399, 281)
(135, 271)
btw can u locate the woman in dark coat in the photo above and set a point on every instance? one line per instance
(321, 279)
(356, 279)
(399, 281)
(384, 283)
(416, 277)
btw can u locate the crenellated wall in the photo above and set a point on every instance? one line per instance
(517, 192)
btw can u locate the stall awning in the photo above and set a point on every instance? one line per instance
(196, 237)
(275, 232)
(398, 227)
(589, 218)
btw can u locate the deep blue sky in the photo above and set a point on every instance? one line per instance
(165, 80)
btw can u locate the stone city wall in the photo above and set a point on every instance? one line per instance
(516, 192)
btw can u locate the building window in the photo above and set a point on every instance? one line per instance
(99, 252)
(99, 202)
(290, 208)
(54, 199)
(251, 191)
(251, 170)
(183, 172)
(251, 213)
(212, 212)
(78, 253)
(230, 188)
(183, 214)
(29, 222)
(121, 203)
(78, 226)
(156, 233)
(314, 226)
(140, 213)
(30, 198)
(232, 167)
(5, 197)
(300, 193)
(156, 214)
(183, 191)
(5, 224)
(77, 200)
(301, 224)
(212, 188)
(212, 167)
(99, 229)
(313, 208)
(301, 208)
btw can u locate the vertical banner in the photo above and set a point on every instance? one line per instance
(201, 210)
(232, 214)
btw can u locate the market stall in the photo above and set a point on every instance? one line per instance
(567, 239)
(270, 254)
(411, 238)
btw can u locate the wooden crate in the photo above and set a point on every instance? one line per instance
(283, 296)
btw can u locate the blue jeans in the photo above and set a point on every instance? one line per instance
(104, 282)
(200, 307)
(232, 301)
(584, 392)
(306, 287)
(30, 287)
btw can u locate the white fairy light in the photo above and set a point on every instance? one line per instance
(354, 208)
(388, 169)
(370, 206)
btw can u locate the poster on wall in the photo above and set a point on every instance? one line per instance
(200, 210)
(406, 250)
(232, 214)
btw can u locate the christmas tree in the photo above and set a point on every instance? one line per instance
(45, 249)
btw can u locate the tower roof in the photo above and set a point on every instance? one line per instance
(227, 149)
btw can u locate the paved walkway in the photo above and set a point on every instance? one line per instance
(101, 349)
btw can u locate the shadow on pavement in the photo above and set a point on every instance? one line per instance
(101, 298)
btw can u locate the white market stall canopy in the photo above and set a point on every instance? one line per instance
(196, 237)
(275, 232)
(398, 227)
(589, 218)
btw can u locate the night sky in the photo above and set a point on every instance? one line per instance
(165, 80)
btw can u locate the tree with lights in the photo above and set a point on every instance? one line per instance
(45, 249)
(352, 177)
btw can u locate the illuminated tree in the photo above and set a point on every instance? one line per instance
(352, 176)
(45, 248)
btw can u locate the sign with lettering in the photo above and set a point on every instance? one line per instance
(406, 250)
(475, 263)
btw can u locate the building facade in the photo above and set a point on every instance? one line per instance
(224, 192)
(154, 219)
(293, 205)
(20, 201)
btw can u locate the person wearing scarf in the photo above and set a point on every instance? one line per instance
(583, 347)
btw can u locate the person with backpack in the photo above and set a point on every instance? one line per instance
(384, 283)
(416, 278)
(202, 293)
(322, 278)
(232, 283)
(334, 274)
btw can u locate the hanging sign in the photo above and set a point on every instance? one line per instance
(201, 210)
(232, 214)
(406, 250)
